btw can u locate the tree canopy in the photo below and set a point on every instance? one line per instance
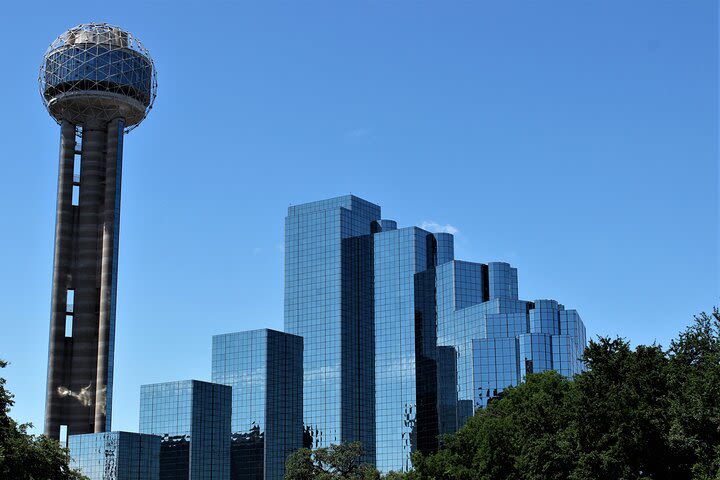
(29, 457)
(339, 462)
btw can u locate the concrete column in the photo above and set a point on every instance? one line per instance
(86, 280)
(62, 262)
(108, 276)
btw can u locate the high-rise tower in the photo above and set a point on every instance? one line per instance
(329, 302)
(98, 82)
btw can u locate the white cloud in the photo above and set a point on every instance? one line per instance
(437, 228)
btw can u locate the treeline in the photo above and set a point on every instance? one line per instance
(636, 413)
(24, 456)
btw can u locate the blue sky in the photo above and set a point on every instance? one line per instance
(576, 140)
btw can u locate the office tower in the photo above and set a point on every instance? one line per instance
(447, 336)
(405, 345)
(97, 81)
(116, 455)
(265, 370)
(498, 338)
(193, 420)
(328, 302)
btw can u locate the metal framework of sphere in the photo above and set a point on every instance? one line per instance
(96, 72)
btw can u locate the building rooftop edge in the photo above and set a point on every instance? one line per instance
(242, 332)
(330, 203)
(113, 432)
(192, 380)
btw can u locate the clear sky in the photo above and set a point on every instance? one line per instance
(576, 140)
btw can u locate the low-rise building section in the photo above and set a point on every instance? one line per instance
(116, 455)
(193, 420)
(265, 370)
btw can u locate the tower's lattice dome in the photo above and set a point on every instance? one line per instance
(96, 72)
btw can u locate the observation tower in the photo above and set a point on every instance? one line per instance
(98, 82)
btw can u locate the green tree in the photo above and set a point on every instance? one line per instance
(621, 414)
(337, 462)
(395, 476)
(29, 457)
(694, 392)
(525, 434)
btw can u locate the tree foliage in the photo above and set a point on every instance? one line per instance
(29, 457)
(694, 383)
(642, 413)
(337, 462)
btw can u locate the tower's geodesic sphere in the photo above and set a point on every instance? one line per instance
(96, 72)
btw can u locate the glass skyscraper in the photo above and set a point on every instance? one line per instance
(116, 455)
(405, 344)
(402, 341)
(265, 370)
(328, 302)
(193, 420)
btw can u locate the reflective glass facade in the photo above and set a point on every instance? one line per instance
(499, 338)
(116, 455)
(447, 390)
(406, 396)
(98, 67)
(463, 292)
(328, 302)
(399, 254)
(193, 419)
(265, 370)
(403, 342)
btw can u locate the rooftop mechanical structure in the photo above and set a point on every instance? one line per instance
(98, 82)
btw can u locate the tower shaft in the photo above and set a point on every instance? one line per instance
(82, 325)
